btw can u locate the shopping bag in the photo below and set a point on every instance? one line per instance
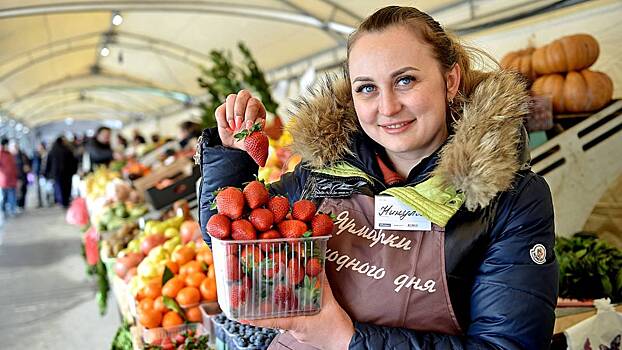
(602, 331)
(77, 213)
(91, 246)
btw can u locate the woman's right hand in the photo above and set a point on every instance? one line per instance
(240, 111)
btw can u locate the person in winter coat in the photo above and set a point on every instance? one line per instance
(23, 168)
(412, 125)
(61, 166)
(99, 149)
(8, 179)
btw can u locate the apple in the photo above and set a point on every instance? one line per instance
(151, 242)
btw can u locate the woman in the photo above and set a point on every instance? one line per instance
(412, 124)
(98, 148)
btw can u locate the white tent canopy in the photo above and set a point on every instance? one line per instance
(52, 67)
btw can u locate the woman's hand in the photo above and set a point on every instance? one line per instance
(332, 328)
(240, 111)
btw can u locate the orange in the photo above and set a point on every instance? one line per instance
(150, 318)
(194, 279)
(188, 296)
(183, 255)
(211, 272)
(171, 319)
(173, 266)
(190, 267)
(152, 289)
(193, 314)
(158, 304)
(208, 289)
(204, 255)
(145, 304)
(173, 286)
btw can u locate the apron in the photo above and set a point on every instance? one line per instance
(381, 277)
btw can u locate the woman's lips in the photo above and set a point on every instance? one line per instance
(396, 128)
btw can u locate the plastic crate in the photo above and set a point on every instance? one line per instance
(270, 278)
(226, 340)
(183, 187)
(154, 334)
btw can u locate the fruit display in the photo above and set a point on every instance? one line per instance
(134, 169)
(281, 160)
(231, 335)
(185, 337)
(569, 53)
(118, 240)
(576, 92)
(113, 216)
(269, 260)
(95, 183)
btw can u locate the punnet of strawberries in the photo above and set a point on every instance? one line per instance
(269, 257)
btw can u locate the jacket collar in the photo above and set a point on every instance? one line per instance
(480, 159)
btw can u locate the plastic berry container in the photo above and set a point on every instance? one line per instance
(271, 277)
(231, 335)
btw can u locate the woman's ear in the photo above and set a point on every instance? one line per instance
(453, 81)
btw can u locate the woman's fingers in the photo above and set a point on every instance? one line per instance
(221, 117)
(230, 105)
(254, 112)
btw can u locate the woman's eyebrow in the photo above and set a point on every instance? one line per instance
(402, 70)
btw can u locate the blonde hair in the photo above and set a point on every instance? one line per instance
(446, 47)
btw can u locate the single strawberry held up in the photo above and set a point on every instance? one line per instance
(256, 143)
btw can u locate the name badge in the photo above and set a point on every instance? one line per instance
(391, 214)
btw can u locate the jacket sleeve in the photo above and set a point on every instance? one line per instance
(514, 295)
(220, 167)
(291, 184)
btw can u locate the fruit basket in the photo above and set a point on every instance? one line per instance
(270, 277)
(231, 335)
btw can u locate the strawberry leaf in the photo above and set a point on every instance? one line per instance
(214, 206)
(307, 234)
(171, 304)
(241, 135)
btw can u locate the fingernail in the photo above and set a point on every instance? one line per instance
(249, 124)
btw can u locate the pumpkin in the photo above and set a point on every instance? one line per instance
(520, 61)
(569, 53)
(576, 92)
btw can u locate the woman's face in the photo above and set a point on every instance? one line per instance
(399, 91)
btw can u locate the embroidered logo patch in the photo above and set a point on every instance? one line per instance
(538, 254)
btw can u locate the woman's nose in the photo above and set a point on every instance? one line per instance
(389, 104)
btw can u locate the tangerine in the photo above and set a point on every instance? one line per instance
(145, 304)
(194, 279)
(204, 255)
(173, 266)
(152, 289)
(150, 318)
(208, 289)
(158, 304)
(188, 296)
(171, 319)
(193, 314)
(183, 255)
(190, 267)
(173, 286)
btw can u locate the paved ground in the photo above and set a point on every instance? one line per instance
(46, 299)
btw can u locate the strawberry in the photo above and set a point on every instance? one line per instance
(314, 267)
(219, 226)
(247, 283)
(269, 268)
(237, 296)
(251, 257)
(322, 225)
(233, 268)
(279, 206)
(292, 228)
(243, 230)
(284, 298)
(272, 234)
(230, 202)
(262, 219)
(256, 194)
(256, 143)
(279, 258)
(303, 210)
(295, 272)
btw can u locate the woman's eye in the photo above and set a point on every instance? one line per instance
(405, 80)
(366, 89)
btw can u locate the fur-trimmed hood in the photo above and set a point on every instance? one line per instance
(480, 159)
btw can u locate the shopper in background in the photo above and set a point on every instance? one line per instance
(8, 179)
(121, 144)
(23, 168)
(98, 148)
(189, 132)
(412, 121)
(39, 158)
(61, 166)
(155, 139)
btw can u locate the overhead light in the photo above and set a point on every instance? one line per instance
(117, 19)
(104, 51)
(68, 121)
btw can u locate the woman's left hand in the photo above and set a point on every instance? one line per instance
(331, 328)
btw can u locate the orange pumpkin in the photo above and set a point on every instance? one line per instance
(520, 61)
(569, 53)
(577, 92)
